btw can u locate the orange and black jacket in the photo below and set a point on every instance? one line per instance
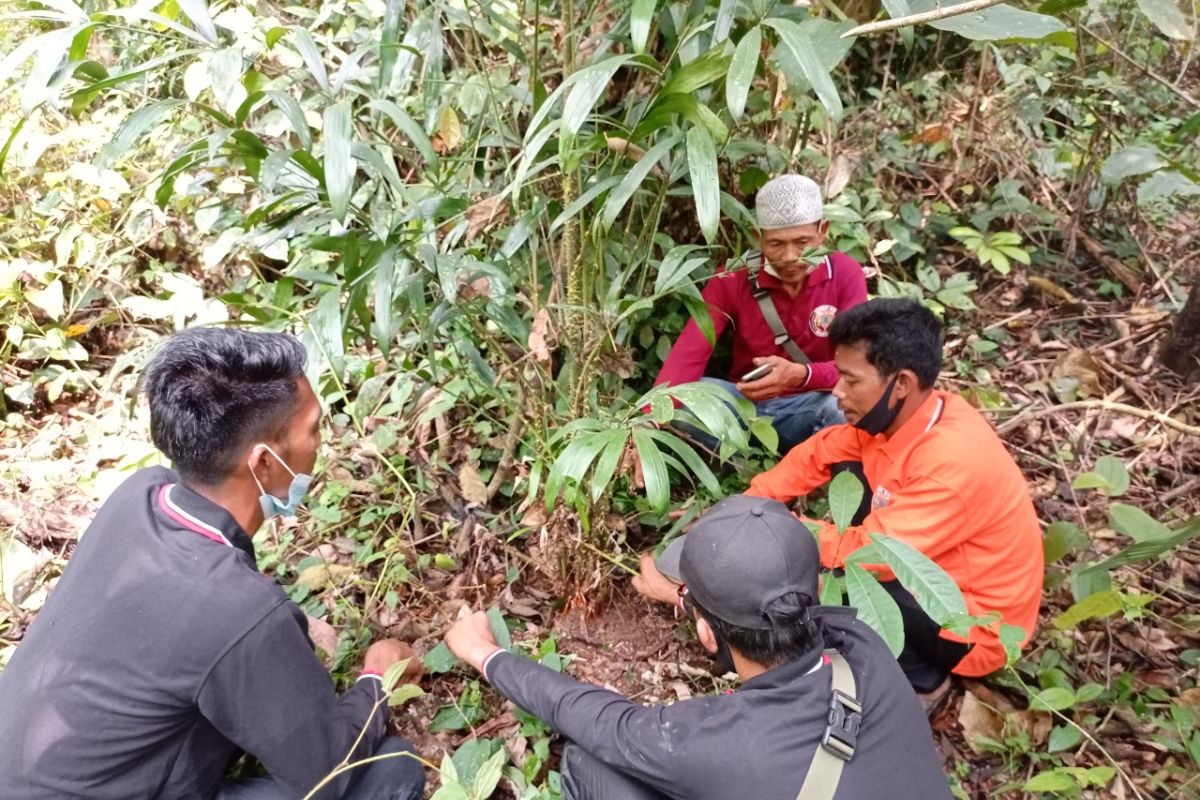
(945, 484)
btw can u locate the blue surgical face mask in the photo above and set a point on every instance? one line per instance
(271, 505)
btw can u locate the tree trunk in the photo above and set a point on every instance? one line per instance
(1182, 351)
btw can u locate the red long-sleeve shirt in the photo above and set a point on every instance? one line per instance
(833, 285)
(945, 484)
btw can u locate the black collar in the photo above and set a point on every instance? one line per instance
(196, 513)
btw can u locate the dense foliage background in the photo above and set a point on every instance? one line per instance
(488, 220)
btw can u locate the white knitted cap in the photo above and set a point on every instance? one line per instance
(786, 201)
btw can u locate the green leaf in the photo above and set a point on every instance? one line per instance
(295, 115)
(676, 267)
(1135, 523)
(499, 628)
(590, 83)
(998, 23)
(831, 589)
(796, 39)
(700, 72)
(132, 129)
(572, 463)
(741, 72)
(1168, 18)
(641, 16)
(662, 113)
(311, 55)
(1112, 469)
(389, 42)
(1152, 548)
(633, 179)
(410, 128)
(687, 454)
(439, 660)
(1095, 606)
(1134, 159)
(702, 169)
(1056, 698)
(933, 589)
(12, 137)
(845, 496)
(402, 694)
(1064, 737)
(654, 470)
(1062, 538)
(875, 606)
(1054, 782)
(1165, 184)
(326, 325)
(606, 464)
(197, 12)
(471, 757)
(339, 164)
(489, 775)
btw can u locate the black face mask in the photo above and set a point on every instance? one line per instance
(722, 659)
(881, 415)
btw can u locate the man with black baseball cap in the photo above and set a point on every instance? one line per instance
(823, 712)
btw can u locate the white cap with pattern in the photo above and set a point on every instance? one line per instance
(788, 200)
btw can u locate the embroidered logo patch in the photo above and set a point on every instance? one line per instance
(880, 499)
(821, 319)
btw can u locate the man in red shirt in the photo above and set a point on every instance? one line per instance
(780, 302)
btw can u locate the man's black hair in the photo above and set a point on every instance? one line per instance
(792, 634)
(898, 333)
(213, 390)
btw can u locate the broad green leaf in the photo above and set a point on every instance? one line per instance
(998, 23)
(633, 179)
(572, 464)
(311, 55)
(698, 309)
(1142, 551)
(295, 115)
(606, 464)
(1135, 523)
(934, 590)
(687, 454)
(402, 694)
(706, 69)
(1096, 606)
(875, 606)
(654, 470)
(339, 165)
(583, 201)
(439, 659)
(326, 325)
(702, 169)
(1087, 581)
(641, 17)
(1064, 737)
(590, 83)
(389, 42)
(1062, 538)
(489, 775)
(676, 267)
(845, 496)
(831, 589)
(1168, 18)
(1134, 159)
(499, 628)
(1056, 698)
(796, 39)
(132, 129)
(1053, 781)
(1112, 469)
(470, 758)
(741, 72)
(197, 12)
(664, 109)
(1165, 184)
(410, 128)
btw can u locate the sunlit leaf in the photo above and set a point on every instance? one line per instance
(875, 606)
(702, 169)
(339, 164)
(1096, 606)
(741, 72)
(1168, 18)
(934, 590)
(641, 16)
(845, 497)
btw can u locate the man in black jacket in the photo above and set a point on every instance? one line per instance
(162, 652)
(750, 574)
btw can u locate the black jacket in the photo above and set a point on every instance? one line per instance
(163, 652)
(754, 743)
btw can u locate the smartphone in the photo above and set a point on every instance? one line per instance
(756, 373)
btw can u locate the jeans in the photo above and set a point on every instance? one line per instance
(585, 777)
(795, 417)
(397, 778)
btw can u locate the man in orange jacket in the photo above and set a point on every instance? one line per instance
(937, 478)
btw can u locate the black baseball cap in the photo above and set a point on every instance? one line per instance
(742, 555)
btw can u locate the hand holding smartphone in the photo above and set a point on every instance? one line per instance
(756, 373)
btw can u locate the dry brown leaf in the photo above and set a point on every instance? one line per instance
(485, 213)
(1075, 373)
(1053, 289)
(985, 714)
(449, 132)
(324, 636)
(471, 486)
(538, 333)
(838, 176)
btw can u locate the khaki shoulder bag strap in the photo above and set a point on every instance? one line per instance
(771, 314)
(841, 734)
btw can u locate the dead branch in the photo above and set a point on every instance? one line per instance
(936, 15)
(1105, 405)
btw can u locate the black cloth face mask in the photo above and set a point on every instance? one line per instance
(881, 415)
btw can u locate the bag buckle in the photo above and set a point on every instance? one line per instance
(780, 338)
(845, 719)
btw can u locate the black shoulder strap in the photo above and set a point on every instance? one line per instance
(841, 734)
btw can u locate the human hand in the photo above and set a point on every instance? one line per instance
(653, 584)
(785, 376)
(382, 654)
(471, 639)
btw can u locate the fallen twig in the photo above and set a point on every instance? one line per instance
(937, 14)
(1121, 408)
